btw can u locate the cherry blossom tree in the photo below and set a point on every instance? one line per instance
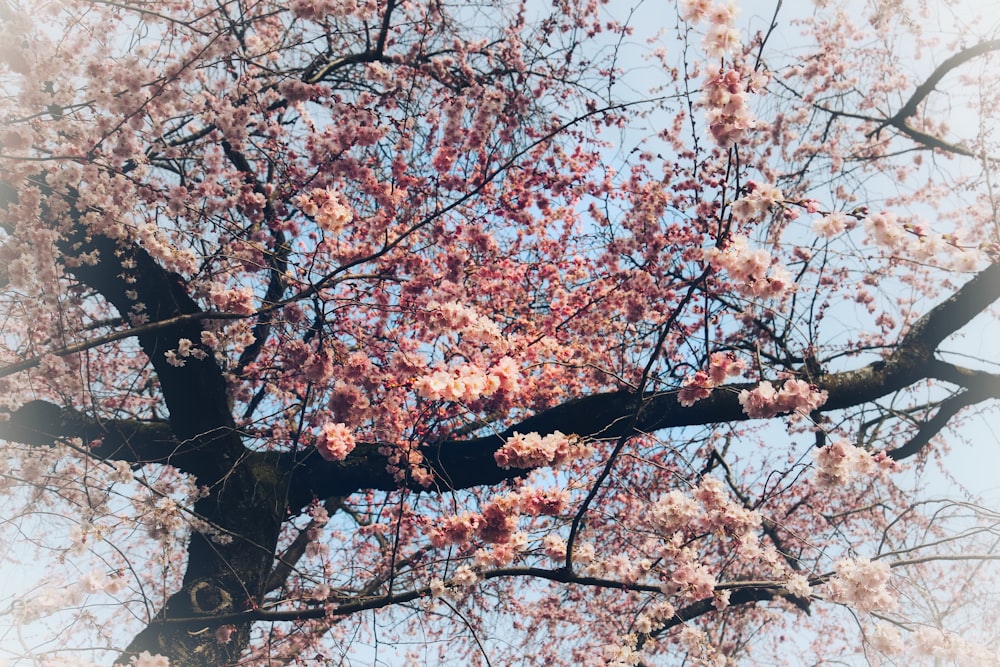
(495, 333)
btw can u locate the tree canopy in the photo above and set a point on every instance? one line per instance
(532, 333)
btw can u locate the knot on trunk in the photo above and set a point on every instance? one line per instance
(209, 599)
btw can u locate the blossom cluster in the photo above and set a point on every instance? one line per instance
(839, 461)
(144, 659)
(916, 241)
(721, 365)
(327, 207)
(164, 519)
(760, 198)
(728, 115)
(764, 401)
(941, 646)
(185, 350)
(754, 271)
(950, 648)
(833, 224)
(50, 599)
(707, 509)
(335, 441)
(468, 382)
(311, 10)
(721, 38)
(497, 522)
(453, 316)
(238, 300)
(863, 584)
(531, 450)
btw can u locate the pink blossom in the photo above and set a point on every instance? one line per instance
(886, 639)
(721, 40)
(725, 100)
(674, 511)
(239, 301)
(946, 647)
(694, 580)
(554, 546)
(839, 461)
(327, 207)
(798, 585)
(467, 382)
(752, 269)
(318, 367)
(456, 529)
(800, 396)
(464, 576)
(862, 584)
(146, 659)
(760, 402)
(532, 450)
(508, 374)
(831, 225)
(764, 402)
(335, 441)
(543, 501)
(884, 229)
(724, 365)
(696, 388)
(694, 11)
(437, 588)
(224, 633)
(499, 521)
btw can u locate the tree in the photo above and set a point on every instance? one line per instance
(326, 322)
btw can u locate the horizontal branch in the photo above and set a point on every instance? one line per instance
(466, 463)
(44, 424)
(460, 464)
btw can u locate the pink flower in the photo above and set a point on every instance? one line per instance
(862, 584)
(839, 461)
(694, 580)
(499, 522)
(327, 207)
(544, 501)
(224, 633)
(831, 225)
(554, 546)
(456, 529)
(759, 403)
(318, 367)
(674, 511)
(884, 229)
(533, 451)
(335, 442)
(695, 388)
(468, 382)
(723, 365)
(798, 585)
(764, 402)
(146, 659)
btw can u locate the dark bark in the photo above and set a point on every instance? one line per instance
(467, 463)
(246, 493)
(250, 493)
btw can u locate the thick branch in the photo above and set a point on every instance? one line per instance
(467, 463)
(132, 440)
(978, 386)
(927, 87)
(246, 491)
